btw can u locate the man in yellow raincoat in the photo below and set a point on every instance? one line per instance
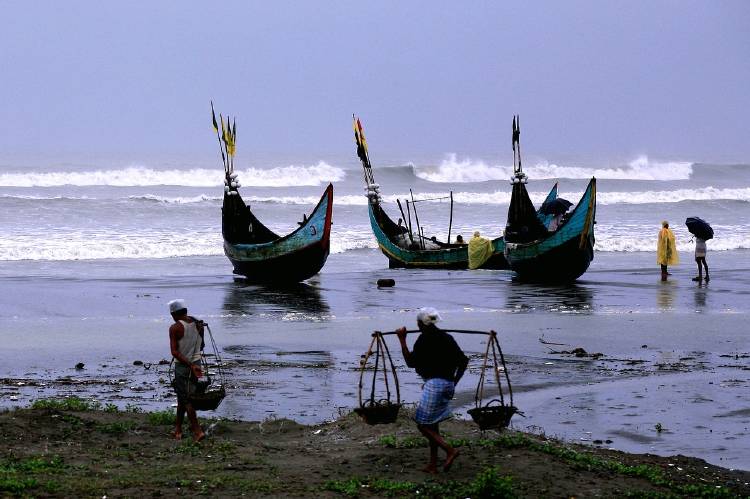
(480, 250)
(666, 250)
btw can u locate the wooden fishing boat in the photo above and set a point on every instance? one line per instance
(263, 256)
(536, 254)
(256, 252)
(407, 248)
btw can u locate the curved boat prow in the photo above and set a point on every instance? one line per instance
(564, 255)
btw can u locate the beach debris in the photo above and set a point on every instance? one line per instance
(580, 352)
(137, 362)
(386, 283)
(80, 365)
(545, 342)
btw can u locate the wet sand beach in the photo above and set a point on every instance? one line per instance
(672, 377)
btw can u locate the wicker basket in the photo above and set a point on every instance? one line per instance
(382, 412)
(493, 416)
(209, 400)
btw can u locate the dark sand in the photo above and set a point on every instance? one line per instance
(65, 453)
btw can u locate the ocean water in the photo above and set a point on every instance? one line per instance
(90, 255)
(74, 212)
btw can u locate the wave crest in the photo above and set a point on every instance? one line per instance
(453, 170)
(138, 176)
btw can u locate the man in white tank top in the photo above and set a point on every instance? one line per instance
(186, 344)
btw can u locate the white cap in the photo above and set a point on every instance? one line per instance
(176, 305)
(428, 315)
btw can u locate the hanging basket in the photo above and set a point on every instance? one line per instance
(495, 414)
(379, 411)
(493, 417)
(208, 400)
(209, 392)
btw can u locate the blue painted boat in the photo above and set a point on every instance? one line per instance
(260, 255)
(533, 252)
(563, 255)
(392, 237)
(256, 252)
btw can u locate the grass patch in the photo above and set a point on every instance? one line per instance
(392, 442)
(487, 483)
(67, 404)
(160, 418)
(17, 485)
(10, 468)
(111, 408)
(588, 461)
(133, 408)
(118, 427)
(188, 447)
(31, 465)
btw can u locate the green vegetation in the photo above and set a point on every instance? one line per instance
(487, 483)
(14, 473)
(118, 427)
(585, 460)
(392, 442)
(67, 404)
(158, 418)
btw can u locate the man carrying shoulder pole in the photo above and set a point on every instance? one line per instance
(186, 344)
(438, 359)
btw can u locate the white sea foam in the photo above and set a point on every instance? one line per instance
(453, 170)
(91, 245)
(636, 238)
(138, 176)
(98, 245)
(176, 200)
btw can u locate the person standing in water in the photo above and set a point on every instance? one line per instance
(438, 359)
(666, 250)
(700, 258)
(186, 344)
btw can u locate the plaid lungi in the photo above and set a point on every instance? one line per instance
(434, 406)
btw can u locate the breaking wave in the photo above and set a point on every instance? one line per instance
(453, 170)
(137, 176)
(503, 197)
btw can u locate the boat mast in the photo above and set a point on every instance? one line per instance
(518, 174)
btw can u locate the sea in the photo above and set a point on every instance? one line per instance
(77, 212)
(90, 253)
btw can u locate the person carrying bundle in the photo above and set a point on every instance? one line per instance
(438, 359)
(186, 344)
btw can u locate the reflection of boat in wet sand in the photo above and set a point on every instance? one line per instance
(245, 298)
(255, 251)
(537, 254)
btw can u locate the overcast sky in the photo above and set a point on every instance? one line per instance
(590, 79)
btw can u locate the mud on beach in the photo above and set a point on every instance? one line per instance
(73, 448)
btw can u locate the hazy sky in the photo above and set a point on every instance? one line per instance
(590, 79)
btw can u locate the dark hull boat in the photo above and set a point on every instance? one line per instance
(536, 254)
(448, 256)
(406, 248)
(263, 256)
(255, 251)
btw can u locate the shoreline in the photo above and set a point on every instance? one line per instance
(73, 448)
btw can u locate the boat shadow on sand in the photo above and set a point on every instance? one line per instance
(570, 298)
(303, 300)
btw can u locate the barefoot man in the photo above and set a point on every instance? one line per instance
(440, 362)
(186, 344)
